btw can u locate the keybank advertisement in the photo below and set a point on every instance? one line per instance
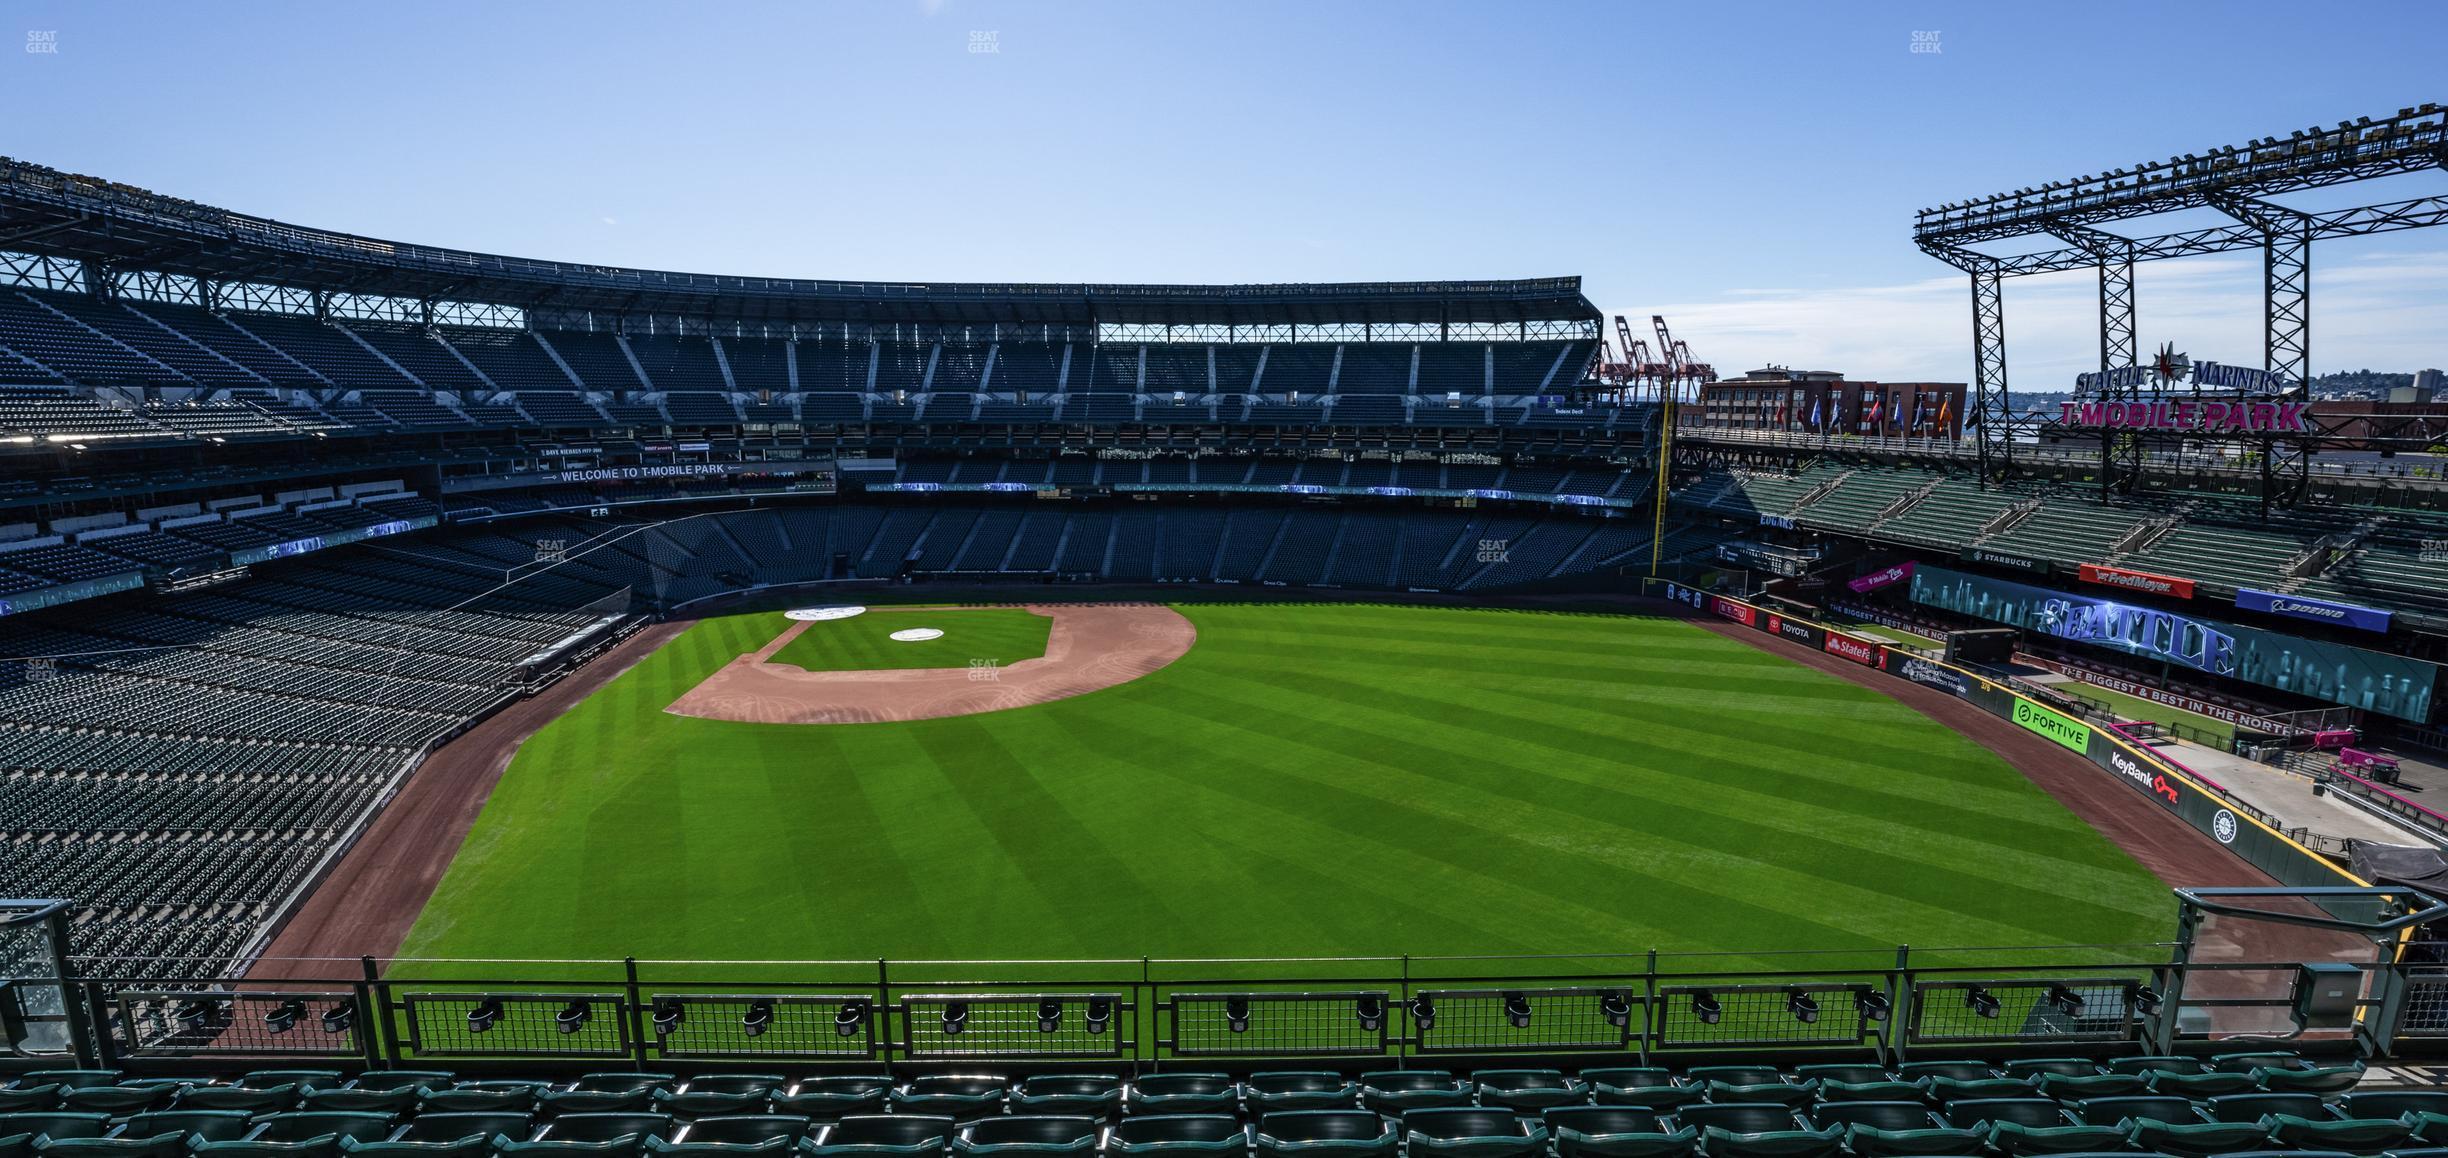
(2356, 677)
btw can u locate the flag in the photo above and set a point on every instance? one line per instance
(1814, 422)
(1946, 409)
(1871, 422)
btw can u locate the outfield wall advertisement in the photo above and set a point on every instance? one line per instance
(2237, 828)
(2356, 677)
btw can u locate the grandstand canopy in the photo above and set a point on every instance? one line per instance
(88, 219)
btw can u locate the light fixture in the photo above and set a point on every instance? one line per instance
(1049, 1016)
(284, 1017)
(1236, 1014)
(850, 1018)
(573, 1016)
(1517, 1010)
(1099, 1015)
(1705, 1006)
(1615, 1007)
(1423, 1012)
(339, 1018)
(482, 1018)
(1874, 1006)
(1982, 1002)
(669, 1014)
(2065, 1000)
(1803, 1006)
(758, 1018)
(1369, 1011)
(955, 1017)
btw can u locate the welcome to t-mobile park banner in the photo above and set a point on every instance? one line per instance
(2234, 826)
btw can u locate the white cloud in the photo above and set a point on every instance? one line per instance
(611, 220)
(2382, 311)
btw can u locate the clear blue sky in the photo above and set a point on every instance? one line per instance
(1752, 169)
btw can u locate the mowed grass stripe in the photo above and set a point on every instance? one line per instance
(1309, 779)
(1765, 834)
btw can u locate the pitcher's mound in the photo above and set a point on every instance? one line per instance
(1088, 648)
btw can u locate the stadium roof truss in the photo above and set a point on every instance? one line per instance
(110, 228)
(2236, 180)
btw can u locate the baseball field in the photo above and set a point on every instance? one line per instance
(1303, 780)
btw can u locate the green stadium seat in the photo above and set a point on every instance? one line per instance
(1842, 1072)
(624, 1147)
(17, 1146)
(1946, 1089)
(2076, 1087)
(452, 1126)
(1466, 1132)
(201, 1125)
(397, 1079)
(835, 1096)
(2256, 1060)
(117, 1101)
(1179, 1134)
(1649, 1086)
(746, 1129)
(2194, 1137)
(883, 1134)
(344, 1099)
(769, 1148)
(463, 1100)
(32, 1100)
(2060, 1066)
(2015, 1138)
(1324, 1134)
(305, 1079)
(474, 1147)
(605, 1127)
(2118, 1110)
(1036, 1135)
(1183, 1094)
(1274, 1091)
(960, 1095)
(1067, 1094)
(269, 1100)
(1882, 1129)
(2393, 1103)
(68, 1079)
(709, 1095)
(1961, 1071)
(1395, 1091)
(322, 1146)
(1528, 1091)
(2201, 1083)
(1773, 1093)
(1831, 1090)
(1617, 1132)
(2254, 1107)
(2335, 1079)
(302, 1127)
(2353, 1135)
(1758, 1130)
(55, 1124)
(159, 1146)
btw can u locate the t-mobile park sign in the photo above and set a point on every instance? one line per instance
(2207, 416)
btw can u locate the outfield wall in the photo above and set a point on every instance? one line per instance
(2152, 777)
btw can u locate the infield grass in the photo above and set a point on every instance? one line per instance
(1325, 779)
(1004, 635)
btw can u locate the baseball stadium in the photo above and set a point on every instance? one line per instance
(457, 704)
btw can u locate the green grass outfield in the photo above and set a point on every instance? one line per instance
(1005, 635)
(1314, 779)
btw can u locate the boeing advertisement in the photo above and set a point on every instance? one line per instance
(2370, 680)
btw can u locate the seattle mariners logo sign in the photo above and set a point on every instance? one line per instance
(2170, 365)
(2223, 826)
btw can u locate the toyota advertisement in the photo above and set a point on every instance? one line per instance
(2356, 677)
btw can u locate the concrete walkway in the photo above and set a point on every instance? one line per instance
(2285, 796)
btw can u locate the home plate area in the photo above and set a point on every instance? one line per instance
(1088, 647)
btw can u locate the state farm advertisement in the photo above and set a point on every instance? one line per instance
(1860, 651)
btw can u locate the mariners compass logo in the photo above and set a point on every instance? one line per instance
(2171, 366)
